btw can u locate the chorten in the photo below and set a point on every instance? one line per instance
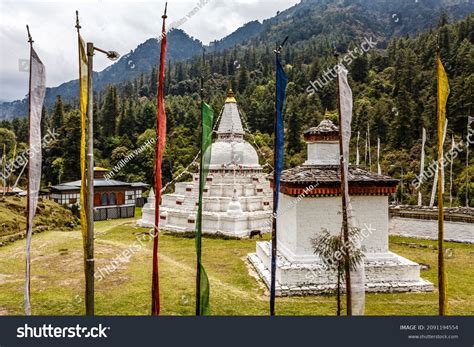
(237, 196)
(310, 202)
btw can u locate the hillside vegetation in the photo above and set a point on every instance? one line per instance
(49, 216)
(394, 87)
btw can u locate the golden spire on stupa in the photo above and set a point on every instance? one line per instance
(230, 95)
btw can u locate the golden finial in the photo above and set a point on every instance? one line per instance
(230, 94)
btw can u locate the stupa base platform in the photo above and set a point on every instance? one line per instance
(219, 224)
(385, 273)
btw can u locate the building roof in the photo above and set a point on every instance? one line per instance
(140, 185)
(98, 183)
(324, 128)
(330, 174)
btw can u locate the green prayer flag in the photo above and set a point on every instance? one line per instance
(202, 290)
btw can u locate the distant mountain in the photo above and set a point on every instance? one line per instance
(344, 20)
(330, 21)
(141, 60)
(244, 33)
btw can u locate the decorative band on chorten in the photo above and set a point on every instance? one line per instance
(321, 137)
(335, 191)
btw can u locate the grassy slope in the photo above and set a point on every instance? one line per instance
(49, 214)
(57, 284)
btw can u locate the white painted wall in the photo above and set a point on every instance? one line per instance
(323, 153)
(299, 222)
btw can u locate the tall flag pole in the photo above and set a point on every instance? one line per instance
(469, 120)
(379, 169)
(357, 153)
(368, 147)
(84, 102)
(442, 98)
(422, 167)
(11, 165)
(345, 104)
(37, 89)
(278, 155)
(159, 150)
(202, 281)
(366, 160)
(4, 160)
(451, 172)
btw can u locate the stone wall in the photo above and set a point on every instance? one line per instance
(422, 222)
(428, 229)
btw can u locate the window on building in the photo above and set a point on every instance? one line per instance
(112, 199)
(104, 199)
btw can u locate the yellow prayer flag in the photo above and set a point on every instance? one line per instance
(83, 108)
(443, 93)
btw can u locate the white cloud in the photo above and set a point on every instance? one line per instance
(111, 24)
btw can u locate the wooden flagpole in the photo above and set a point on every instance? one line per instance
(345, 224)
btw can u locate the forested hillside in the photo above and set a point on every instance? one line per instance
(394, 95)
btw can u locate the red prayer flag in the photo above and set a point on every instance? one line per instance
(160, 148)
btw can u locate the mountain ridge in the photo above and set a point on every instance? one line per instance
(301, 22)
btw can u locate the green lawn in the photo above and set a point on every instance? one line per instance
(57, 277)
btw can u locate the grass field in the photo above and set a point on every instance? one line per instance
(57, 277)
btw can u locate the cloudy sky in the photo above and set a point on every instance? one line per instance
(111, 24)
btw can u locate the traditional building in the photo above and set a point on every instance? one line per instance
(112, 199)
(310, 202)
(237, 196)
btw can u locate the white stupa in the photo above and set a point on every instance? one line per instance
(237, 195)
(310, 202)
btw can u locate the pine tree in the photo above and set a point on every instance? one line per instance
(153, 82)
(57, 118)
(109, 112)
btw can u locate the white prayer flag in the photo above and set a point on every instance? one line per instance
(346, 104)
(379, 169)
(36, 97)
(440, 161)
(357, 154)
(422, 167)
